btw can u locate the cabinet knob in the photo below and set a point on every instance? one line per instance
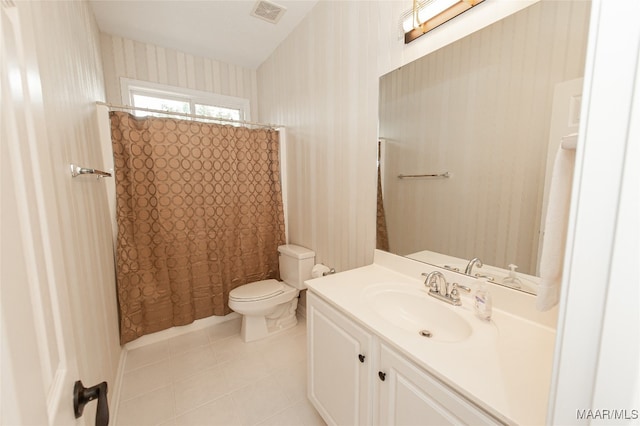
(382, 375)
(361, 357)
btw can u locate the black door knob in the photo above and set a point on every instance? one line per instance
(82, 395)
(382, 375)
(361, 357)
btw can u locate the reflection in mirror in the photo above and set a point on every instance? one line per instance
(479, 109)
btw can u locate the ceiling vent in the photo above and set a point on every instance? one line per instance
(268, 11)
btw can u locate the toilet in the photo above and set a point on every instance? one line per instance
(269, 306)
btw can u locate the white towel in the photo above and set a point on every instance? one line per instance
(555, 229)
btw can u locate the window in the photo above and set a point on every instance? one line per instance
(148, 95)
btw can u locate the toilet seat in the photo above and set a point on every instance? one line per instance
(259, 290)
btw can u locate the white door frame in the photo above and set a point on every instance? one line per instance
(596, 355)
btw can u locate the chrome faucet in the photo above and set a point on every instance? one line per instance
(435, 287)
(440, 288)
(473, 262)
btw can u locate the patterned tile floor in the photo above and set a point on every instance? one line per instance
(211, 377)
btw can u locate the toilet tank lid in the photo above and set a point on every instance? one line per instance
(295, 251)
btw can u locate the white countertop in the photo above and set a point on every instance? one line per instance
(503, 367)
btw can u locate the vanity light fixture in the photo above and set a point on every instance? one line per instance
(428, 14)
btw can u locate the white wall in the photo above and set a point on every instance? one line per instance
(142, 61)
(322, 84)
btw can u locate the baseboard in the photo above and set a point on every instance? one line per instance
(177, 331)
(114, 391)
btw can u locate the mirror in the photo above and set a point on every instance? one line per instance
(480, 110)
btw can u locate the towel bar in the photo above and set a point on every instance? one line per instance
(77, 171)
(436, 175)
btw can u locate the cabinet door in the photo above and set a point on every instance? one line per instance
(339, 365)
(409, 396)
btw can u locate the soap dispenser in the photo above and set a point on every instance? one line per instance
(482, 301)
(512, 280)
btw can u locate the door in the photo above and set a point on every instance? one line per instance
(340, 365)
(39, 365)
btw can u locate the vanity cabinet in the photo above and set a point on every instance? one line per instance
(340, 367)
(354, 378)
(410, 396)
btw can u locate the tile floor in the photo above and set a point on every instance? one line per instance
(211, 377)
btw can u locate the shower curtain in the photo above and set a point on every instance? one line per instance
(382, 237)
(199, 212)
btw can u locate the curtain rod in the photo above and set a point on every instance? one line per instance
(184, 114)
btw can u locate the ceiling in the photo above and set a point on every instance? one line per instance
(218, 29)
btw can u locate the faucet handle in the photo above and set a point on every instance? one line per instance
(464, 288)
(455, 293)
(486, 277)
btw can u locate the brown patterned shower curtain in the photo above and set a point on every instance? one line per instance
(199, 212)
(382, 236)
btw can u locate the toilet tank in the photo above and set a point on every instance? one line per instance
(295, 264)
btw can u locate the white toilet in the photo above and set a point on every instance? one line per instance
(269, 306)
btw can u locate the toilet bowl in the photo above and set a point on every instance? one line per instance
(269, 306)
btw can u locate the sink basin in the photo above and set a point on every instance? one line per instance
(413, 310)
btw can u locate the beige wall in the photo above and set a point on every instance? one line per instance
(479, 108)
(322, 84)
(70, 71)
(142, 61)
